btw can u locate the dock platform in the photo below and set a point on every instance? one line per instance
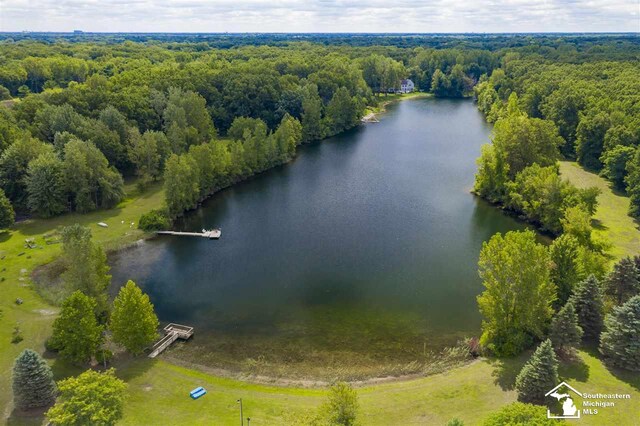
(212, 234)
(172, 332)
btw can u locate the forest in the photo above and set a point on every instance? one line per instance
(83, 114)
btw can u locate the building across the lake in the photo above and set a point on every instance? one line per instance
(407, 86)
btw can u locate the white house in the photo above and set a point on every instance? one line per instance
(407, 86)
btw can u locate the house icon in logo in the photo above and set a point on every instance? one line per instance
(569, 409)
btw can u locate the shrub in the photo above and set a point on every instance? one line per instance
(341, 406)
(520, 414)
(91, 398)
(155, 220)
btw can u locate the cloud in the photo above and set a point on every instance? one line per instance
(321, 15)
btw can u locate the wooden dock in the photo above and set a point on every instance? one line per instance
(212, 234)
(172, 332)
(370, 118)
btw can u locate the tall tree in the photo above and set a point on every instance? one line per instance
(133, 322)
(620, 342)
(181, 184)
(587, 300)
(89, 179)
(312, 125)
(622, 283)
(633, 184)
(33, 384)
(7, 215)
(46, 186)
(14, 164)
(342, 113)
(76, 333)
(524, 141)
(565, 272)
(615, 163)
(516, 303)
(92, 398)
(86, 267)
(539, 374)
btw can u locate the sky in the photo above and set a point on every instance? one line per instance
(395, 16)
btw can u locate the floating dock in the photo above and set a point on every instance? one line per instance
(212, 234)
(172, 332)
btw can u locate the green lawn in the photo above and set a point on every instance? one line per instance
(35, 316)
(159, 391)
(612, 220)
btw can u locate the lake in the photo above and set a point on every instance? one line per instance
(361, 253)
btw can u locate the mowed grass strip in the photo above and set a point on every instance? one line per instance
(159, 394)
(612, 219)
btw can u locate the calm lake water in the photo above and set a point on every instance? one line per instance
(367, 243)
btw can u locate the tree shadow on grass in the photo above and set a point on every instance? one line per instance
(33, 417)
(505, 370)
(632, 378)
(129, 367)
(573, 367)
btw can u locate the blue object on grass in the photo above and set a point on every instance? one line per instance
(197, 392)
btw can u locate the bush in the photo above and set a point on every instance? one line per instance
(520, 414)
(155, 220)
(341, 407)
(91, 398)
(16, 336)
(104, 356)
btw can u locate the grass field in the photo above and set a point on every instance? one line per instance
(612, 221)
(158, 391)
(34, 316)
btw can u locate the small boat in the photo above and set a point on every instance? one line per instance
(197, 392)
(104, 225)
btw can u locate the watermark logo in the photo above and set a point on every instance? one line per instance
(569, 409)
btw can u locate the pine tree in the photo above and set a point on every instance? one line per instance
(538, 375)
(622, 283)
(133, 324)
(76, 333)
(33, 384)
(587, 300)
(565, 331)
(620, 341)
(7, 215)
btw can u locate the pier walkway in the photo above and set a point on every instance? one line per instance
(173, 332)
(212, 234)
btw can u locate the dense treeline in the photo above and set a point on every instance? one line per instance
(618, 43)
(544, 109)
(83, 116)
(594, 104)
(86, 111)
